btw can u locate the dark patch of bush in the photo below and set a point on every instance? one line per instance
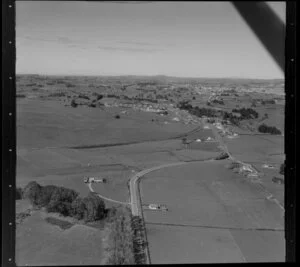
(111, 213)
(73, 103)
(61, 199)
(199, 112)
(263, 128)
(94, 208)
(269, 101)
(60, 223)
(65, 201)
(57, 94)
(117, 116)
(216, 101)
(32, 192)
(246, 113)
(83, 96)
(19, 193)
(45, 195)
(281, 169)
(90, 208)
(99, 97)
(232, 118)
(92, 105)
(78, 208)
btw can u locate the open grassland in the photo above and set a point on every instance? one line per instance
(257, 148)
(217, 199)
(39, 242)
(50, 124)
(211, 209)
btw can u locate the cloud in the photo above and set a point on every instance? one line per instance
(64, 40)
(127, 49)
(137, 43)
(59, 39)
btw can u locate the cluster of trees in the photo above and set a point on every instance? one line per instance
(57, 94)
(199, 112)
(218, 101)
(65, 201)
(263, 128)
(121, 248)
(83, 96)
(69, 85)
(246, 113)
(139, 240)
(232, 118)
(268, 101)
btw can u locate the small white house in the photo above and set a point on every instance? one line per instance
(198, 140)
(153, 206)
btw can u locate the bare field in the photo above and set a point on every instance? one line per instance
(217, 199)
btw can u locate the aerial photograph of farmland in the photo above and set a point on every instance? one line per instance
(147, 133)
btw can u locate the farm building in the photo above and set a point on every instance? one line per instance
(94, 180)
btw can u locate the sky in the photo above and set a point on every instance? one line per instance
(183, 39)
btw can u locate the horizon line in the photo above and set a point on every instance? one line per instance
(145, 75)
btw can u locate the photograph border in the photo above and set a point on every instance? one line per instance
(9, 131)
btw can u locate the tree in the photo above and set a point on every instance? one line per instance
(263, 128)
(61, 200)
(73, 103)
(94, 207)
(78, 208)
(45, 195)
(32, 192)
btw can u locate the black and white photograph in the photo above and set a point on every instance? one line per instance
(149, 132)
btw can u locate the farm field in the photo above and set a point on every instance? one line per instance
(55, 125)
(40, 243)
(262, 148)
(218, 200)
(211, 209)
